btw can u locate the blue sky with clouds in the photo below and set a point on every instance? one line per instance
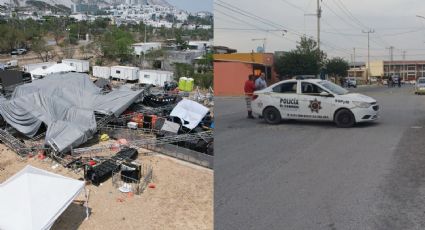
(193, 5)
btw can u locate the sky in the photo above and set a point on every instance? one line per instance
(193, 5)
(394, 23)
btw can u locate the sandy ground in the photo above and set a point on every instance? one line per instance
(182, 197)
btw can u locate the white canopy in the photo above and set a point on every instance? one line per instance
(189, 112)
(56, 68)
(34, 198)
(60, 68)
(38, 72)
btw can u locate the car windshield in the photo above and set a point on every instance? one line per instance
(421, 81)
(336, 89)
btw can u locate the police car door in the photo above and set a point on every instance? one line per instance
(285, 98)
(313, 105)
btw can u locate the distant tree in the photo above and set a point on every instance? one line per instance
(183, 70)
(57, 27)
(43, 51)
(68, 50)
(12, 37)
(180, 42)
(305, 59)
(337, 67)
(204, 80)
(117, 44)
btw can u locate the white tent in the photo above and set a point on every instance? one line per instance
(56, 68)
(189, 112)
(34, 198)
(60, 68)
(38, 72)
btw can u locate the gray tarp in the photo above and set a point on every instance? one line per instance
(66, 104)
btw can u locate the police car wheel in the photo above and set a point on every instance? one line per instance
(344, 118)
(272, 115)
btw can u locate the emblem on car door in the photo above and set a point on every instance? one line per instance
(315, 105)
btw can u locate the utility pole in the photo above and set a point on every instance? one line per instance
(354, 56)
(391, 49)
(368, 52)
(319, 15)
(144, 52)
(404, 65)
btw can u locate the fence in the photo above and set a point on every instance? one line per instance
(131, 184)
(184, 154)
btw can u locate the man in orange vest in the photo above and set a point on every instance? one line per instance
(249, 90)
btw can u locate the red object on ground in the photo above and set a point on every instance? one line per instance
(41, 156)
(151, 185)
(92, 162)
(122, 141)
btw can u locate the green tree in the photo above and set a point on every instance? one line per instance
(204, 80)
(337, 67)
(183, 70)
(117, 44)
(305, 59)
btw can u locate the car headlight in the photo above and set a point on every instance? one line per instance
(361, 104)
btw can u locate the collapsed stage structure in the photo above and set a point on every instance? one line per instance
(68, 110)
(66, 104)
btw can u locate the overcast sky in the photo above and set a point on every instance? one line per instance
(193, 5)
(394, 21)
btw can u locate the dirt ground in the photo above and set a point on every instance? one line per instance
(182, 197)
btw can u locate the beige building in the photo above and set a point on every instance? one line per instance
(358, 70)
(408, 70)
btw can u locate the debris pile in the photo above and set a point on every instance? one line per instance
(98, 127)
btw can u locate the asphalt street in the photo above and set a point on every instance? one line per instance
(313, 175)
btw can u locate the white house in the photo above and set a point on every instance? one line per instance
(140, 48)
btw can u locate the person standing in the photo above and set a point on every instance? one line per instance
(260, 83)
(399, 81)
(389, 82)
(249, 89)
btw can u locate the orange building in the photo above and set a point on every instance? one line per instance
(232, 70)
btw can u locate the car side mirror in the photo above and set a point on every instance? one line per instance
(325, 94)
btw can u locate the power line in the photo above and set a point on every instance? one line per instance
(344, 9)
(250, 15)
(293, 5)
(253, 25)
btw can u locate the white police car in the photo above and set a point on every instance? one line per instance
(313, 99)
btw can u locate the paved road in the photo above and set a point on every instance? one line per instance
(307, 175)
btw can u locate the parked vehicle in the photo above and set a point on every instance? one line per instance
(395, 79)
(351, 82)
(11, 64)
(313, 99)
(81, 66)
(420, 86)
(18, 51)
